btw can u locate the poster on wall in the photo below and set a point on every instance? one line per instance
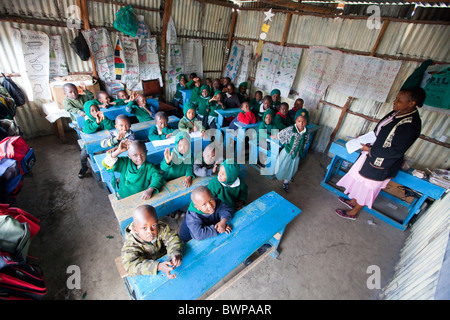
(58, 65)
(234, 61)
(175, 65)
(193, 57)
(101, 48)
(32, 50)
(277, 68)
(149, 67)
(438, 91)
(320, 71)
(244, 69)
(131, 59)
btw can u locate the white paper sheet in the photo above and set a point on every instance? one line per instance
(355, 144)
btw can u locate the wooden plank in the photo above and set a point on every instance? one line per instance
(215, 257)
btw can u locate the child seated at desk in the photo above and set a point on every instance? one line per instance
(122, 98)
(139, 107)
(74, 102)
(207, 163)
(136, 173)
(178, 162)
(206, 216)
(298, 104)
(195, 86)
(266, 104)
(94, 119)
(245, 116)
(123, 131)
(204, 108)
(181, 85)
(256, 102)
(242, 92)
(160, 130)
(146, 240)
(276, 98)
(190, 123)
(228, 186)
(267, 126)
(282, 119)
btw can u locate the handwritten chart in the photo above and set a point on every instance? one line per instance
(193, 57)
(100, 45)
(58, 65)
(148, 60)
(234, 61)
(175, 65)
(245, 65)
(130, 54)
(270, 59)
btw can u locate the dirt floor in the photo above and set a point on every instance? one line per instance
(322, 256)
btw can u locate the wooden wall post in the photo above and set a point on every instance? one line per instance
(166, 18)
(286, 29)
(230, 37)
(82, 4)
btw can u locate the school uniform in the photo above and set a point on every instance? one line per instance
(90, 123)
(155, 134)
(141, 114)
(181, 164)
(75, 106)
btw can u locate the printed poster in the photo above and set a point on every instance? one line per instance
(438, 90)
(102, 50)
(149, 67)
(244, 69)
(193, 57)
(131, 71)
(32, 49)
(175, 66)
(267, 67)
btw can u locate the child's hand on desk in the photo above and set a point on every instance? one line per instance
(187, 181)
(222, 227)
(147, 194)
(176, 261)
(167, 156)
(166, 268)
(169, 135)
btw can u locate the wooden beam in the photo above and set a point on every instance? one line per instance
(286, 29)
(379, 38)
(302, 7)
(82, 4)
(338, 125)
(230, 37)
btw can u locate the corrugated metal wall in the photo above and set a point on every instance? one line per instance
(417, 271)
(212, 23)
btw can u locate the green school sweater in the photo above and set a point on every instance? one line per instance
(282, 123)
(141, 114)
(153, 133)
(90, 123)
(77, 105)
(134, 180)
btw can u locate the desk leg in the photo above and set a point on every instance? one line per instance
(330, 170)
(414, 210)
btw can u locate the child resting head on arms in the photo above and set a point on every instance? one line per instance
(146, 240)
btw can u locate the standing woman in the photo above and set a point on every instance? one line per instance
(381, 161)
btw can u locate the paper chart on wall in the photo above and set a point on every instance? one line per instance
(234, 61)
(175, 65)
(148, 60)
(321, 67)
(131, 59)
(101, 48)
(287, 69)
(245, 65)
(58, 65)
(32, 51)
(268, 66)
(193, 57)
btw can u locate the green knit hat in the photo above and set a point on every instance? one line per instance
(232, 171)
(275, 91)
(188, 105)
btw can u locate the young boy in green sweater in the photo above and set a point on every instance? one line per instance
(136, 173)
(179, 162)
(139, 107)
(94, 119)
(160, 130)
(190, 123)
(146, 240)
(73, 102)
(228, 186)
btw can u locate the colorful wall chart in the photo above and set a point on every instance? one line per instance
(149, 67)
(58, 65)
(193, 57)
(175, 65)
(102, 50)
(32, 50)
(131, 58)
(244, 69)
(234, 61)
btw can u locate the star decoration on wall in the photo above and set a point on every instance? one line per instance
(269, 15)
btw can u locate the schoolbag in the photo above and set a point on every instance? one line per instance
(81, 47)
(16, 93)
(21, 216)
(11, 180)
(16, 148)
(20, 280)
(15, 237)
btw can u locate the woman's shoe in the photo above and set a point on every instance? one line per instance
(343, 214)
(344, 201)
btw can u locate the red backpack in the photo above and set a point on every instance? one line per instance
(21, 216)
(16, 148)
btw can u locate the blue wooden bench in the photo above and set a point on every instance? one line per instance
(172, 197)
(207, 262)
(425, 188)
(272, 153)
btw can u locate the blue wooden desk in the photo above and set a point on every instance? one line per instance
(425, 188)
(186, 93)
(173, 196)
(225, 113)
(206, 262)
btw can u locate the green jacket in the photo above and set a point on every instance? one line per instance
(139, 257)
(134, 180)
(282, 123)
(77, 105)
(154, 135)
(141, 114)
(90, 124)
(181, 164)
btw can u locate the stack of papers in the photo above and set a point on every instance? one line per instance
(355, 144)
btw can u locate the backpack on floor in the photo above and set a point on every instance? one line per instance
(15, 237)
(11, 179)
(21, 216)
(20, 280)
(16, 148)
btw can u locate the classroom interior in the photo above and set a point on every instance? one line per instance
(321, 256)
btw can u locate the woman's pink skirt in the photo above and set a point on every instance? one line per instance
(363, 190)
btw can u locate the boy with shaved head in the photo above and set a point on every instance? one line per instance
(136, 173)
(146, 240)
(206, 216)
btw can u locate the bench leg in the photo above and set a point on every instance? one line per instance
(274, 242)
